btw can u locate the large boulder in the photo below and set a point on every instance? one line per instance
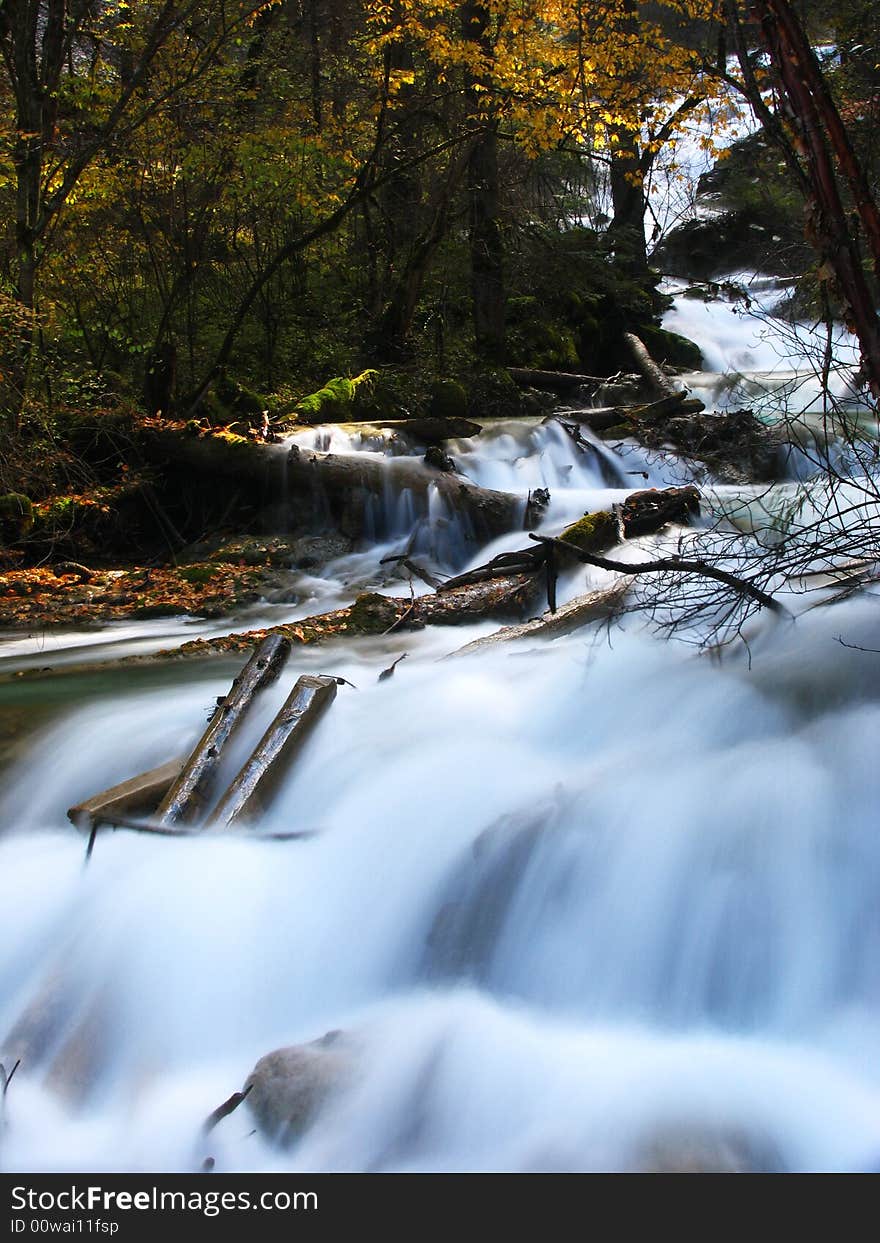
(288, 1087)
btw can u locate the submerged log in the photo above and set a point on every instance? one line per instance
(138, 794)
(189, 794)
(256, 784)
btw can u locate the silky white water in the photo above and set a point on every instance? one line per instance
(578, 905)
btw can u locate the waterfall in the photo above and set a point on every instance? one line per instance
(598, 903)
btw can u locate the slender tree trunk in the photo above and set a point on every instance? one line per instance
(484, 196)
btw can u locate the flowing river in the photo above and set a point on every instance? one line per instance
(600, 903)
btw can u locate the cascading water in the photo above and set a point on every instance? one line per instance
(589, 904)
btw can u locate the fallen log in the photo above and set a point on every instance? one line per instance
(192, 789)
(646, 366)
(334, 490)
(252, 790)
(343, 484)
(641, 513)
(601, 418)
(555, 381)
(593, 606)
(426, 430)
(138, 794)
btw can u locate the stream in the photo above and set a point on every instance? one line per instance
(600, 903)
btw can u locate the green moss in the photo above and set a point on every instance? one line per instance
(16, 516)
(448, 400)
(670, 347)
(494, 394)
(239, 399)
(336, 401)
(593, 533)
(371, 614)
(197, 575)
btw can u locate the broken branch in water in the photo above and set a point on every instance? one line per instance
(5, 1079)
(676, 565)
(389, 672)
(228, 1107)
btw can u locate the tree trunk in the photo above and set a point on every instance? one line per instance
(627, 228)
(484, 194)
(828, 226)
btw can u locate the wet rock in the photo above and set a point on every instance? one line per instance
(649, 510)
(438, 460)
(315, 551)
(698, 1148)
(288, 1087)
(466, 929)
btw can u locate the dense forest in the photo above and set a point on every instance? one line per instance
(238, 216)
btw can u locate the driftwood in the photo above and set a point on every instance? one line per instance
(252, 790)
(646, 366)
(592, 606)
(601, 418)
(190, 792)
(138, 794)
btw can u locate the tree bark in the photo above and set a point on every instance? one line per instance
(484, 193)
(189, 794)
(253, 789)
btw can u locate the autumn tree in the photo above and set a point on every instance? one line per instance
(77, 77)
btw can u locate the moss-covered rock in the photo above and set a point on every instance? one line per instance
(240, 400)
(670, 347)
(371, 614)
(448, 400)
(538, 338)
(593, 533)
(197, 575)
(492, 393)
(16, 516)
